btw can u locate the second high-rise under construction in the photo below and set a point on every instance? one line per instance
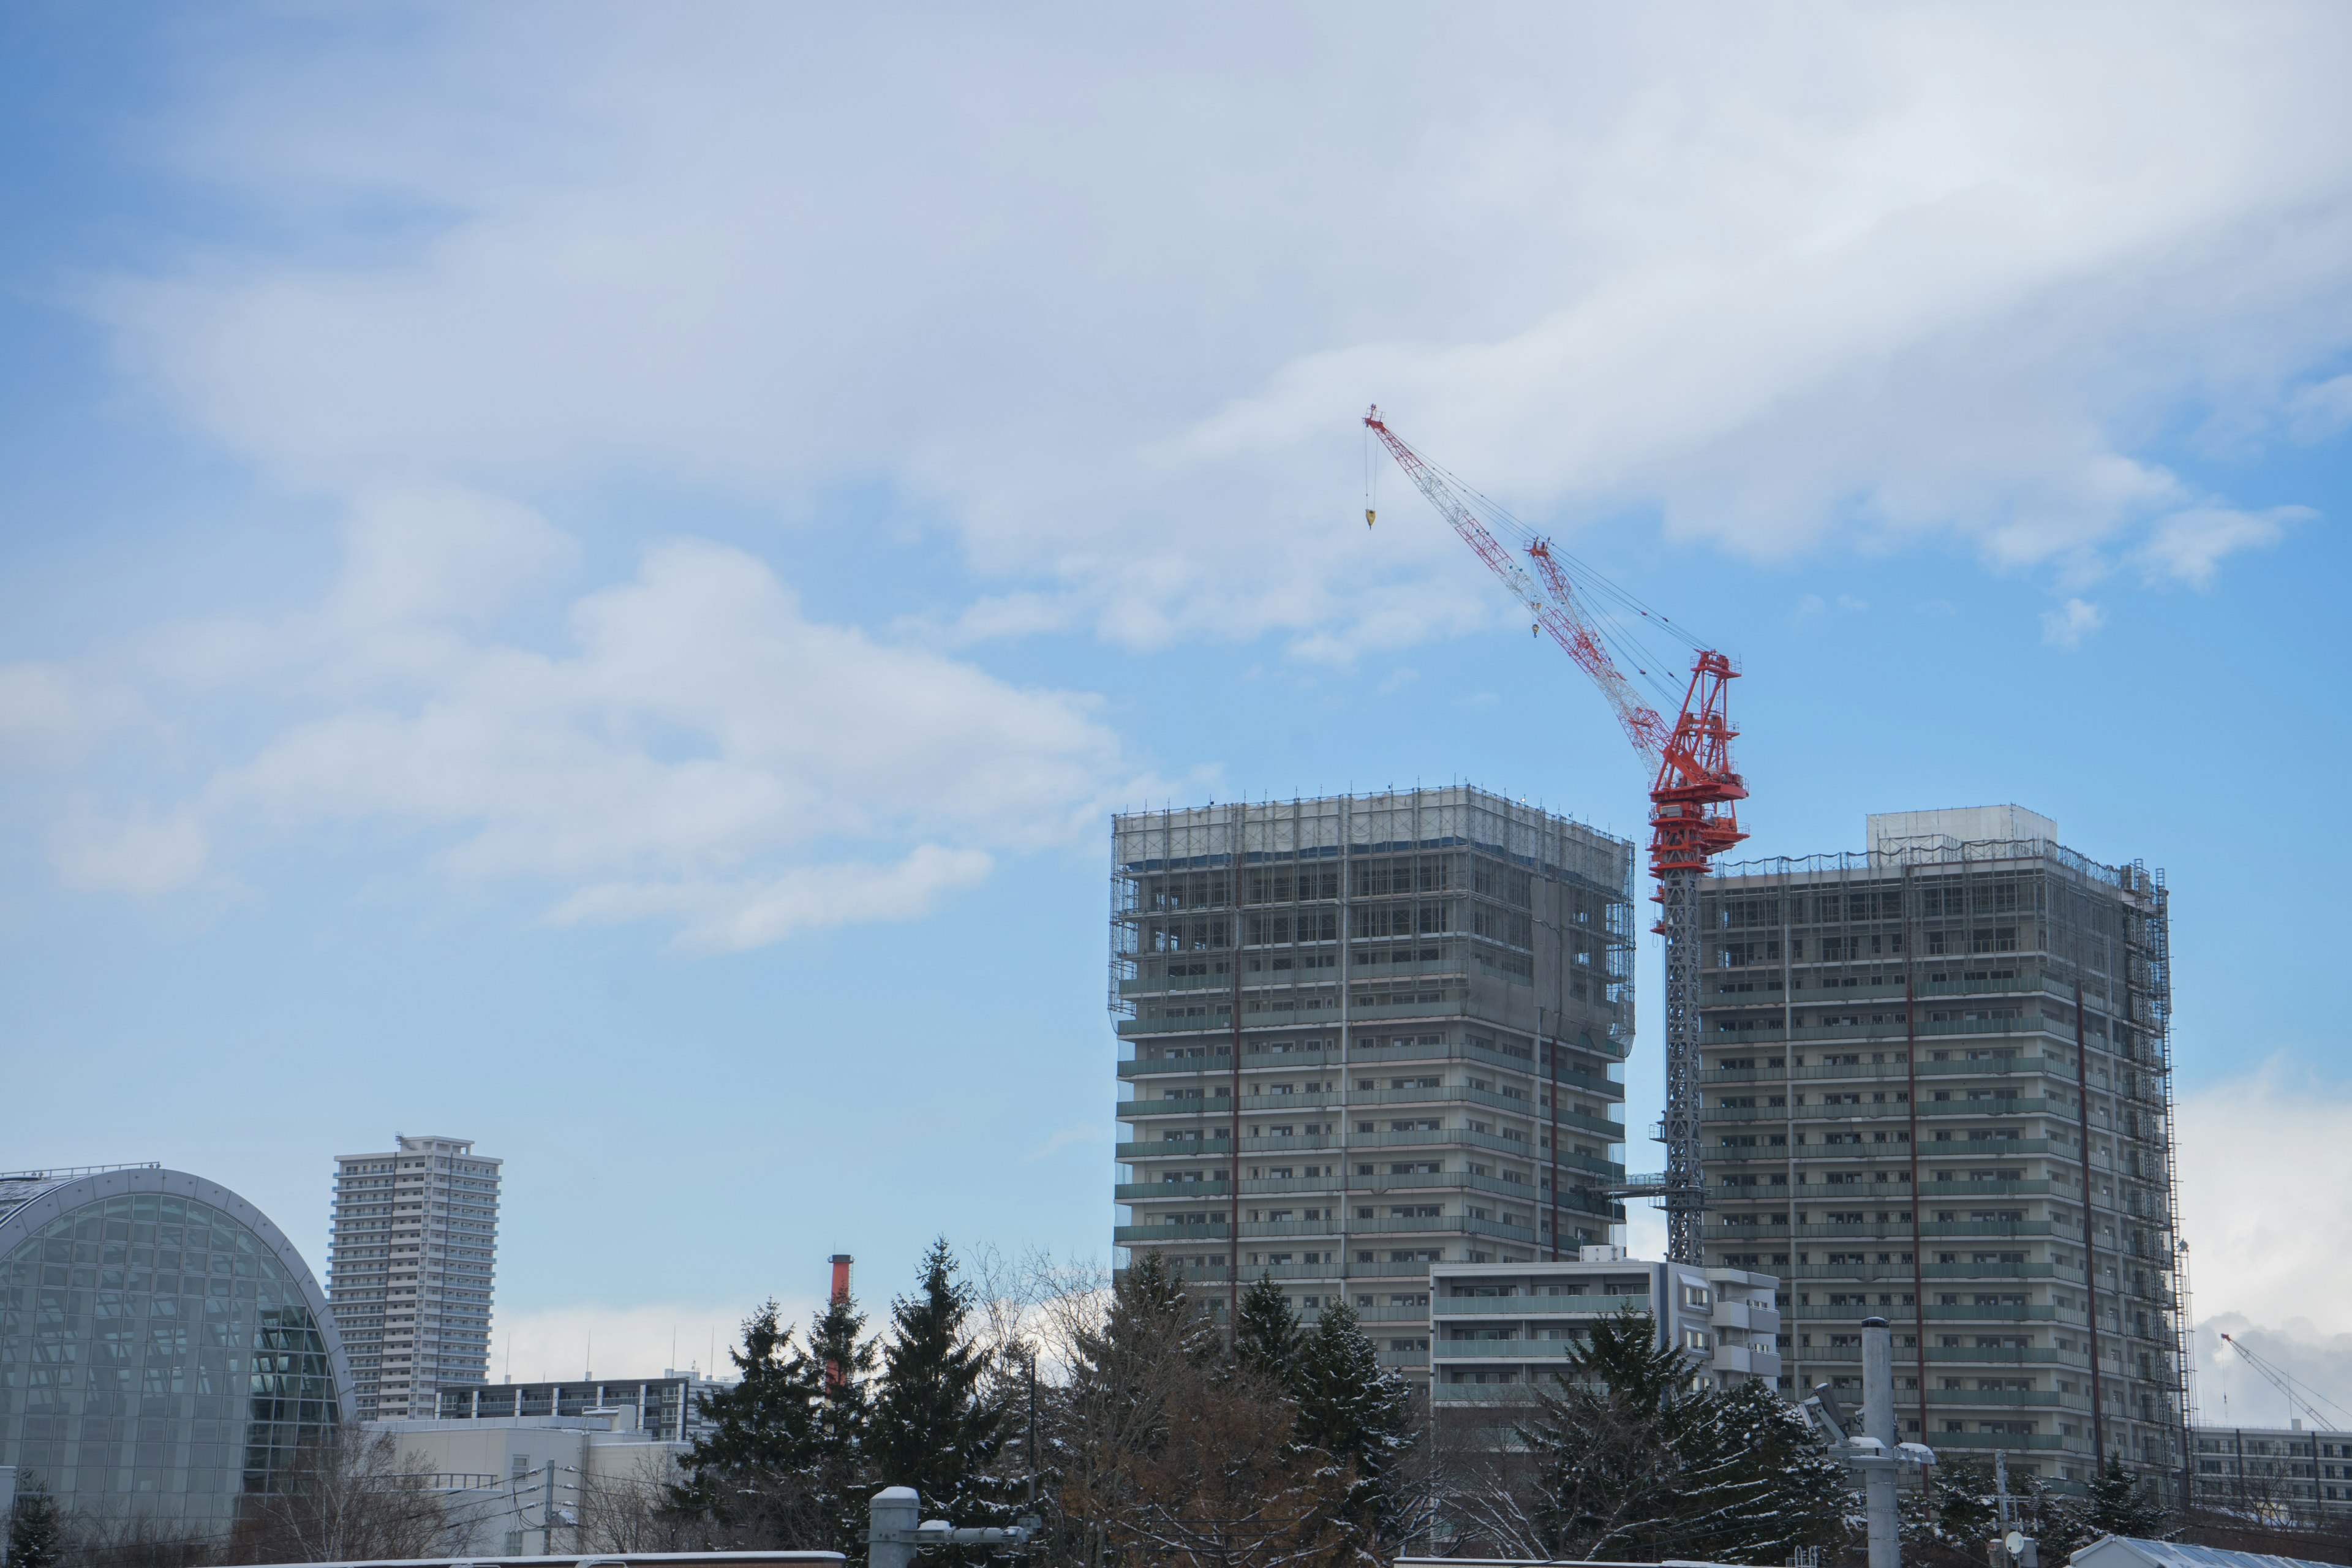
(1935, 1079)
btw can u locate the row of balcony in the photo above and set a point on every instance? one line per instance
(1149, 1236)
(1212, 1146)
(1219, 1063)
(1216, 1098)
(1277, 1186)
(1889, 1110)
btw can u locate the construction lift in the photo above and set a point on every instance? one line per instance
(1694, 795)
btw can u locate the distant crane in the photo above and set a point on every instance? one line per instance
(1693, 799)
(2297, 1393)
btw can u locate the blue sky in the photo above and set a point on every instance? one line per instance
(588, 578)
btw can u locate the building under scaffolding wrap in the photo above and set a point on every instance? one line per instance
(1937, 1089)
(1431, 994)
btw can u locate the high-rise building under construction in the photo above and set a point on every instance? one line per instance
(1936, 1089)
(1366, 1034)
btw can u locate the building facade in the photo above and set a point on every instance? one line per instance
(535, 1486)
(668, 1407)
(411, 1254)
(1430, 996)
(1937, 1088)
(1499, 1333)
(2285, 1476)
(165, 1352)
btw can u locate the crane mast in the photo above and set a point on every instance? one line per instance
(1693, 809)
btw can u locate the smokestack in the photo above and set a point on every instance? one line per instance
(833, 1376)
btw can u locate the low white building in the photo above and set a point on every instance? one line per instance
(540, 1484)
(1498, 1331)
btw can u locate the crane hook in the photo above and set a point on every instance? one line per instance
(1369, 515)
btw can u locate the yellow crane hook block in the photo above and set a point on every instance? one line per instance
(1369, 515)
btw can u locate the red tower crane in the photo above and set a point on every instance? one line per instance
(1693, 813)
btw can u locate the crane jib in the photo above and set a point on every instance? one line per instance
(1694, 811)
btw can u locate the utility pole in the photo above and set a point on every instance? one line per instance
(547, 1516)
(1873, 1453)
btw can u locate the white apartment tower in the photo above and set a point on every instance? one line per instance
(410, 1252)
(1430, 996)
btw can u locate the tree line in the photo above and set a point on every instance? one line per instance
(1137, 1430)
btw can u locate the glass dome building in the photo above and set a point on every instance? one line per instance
(164, 1349)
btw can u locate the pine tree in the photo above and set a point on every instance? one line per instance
(933, 1426)
(844, 1410)
(753, 1471)
(1757, 1481)
(1354, 1409)
(2119, 1505)
(1268, 1337)
(1608, 1478)
(35, 1530)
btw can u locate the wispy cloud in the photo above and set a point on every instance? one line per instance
(2068, 625)
(2189, 546)
(1077, 1134)
(1859, 284)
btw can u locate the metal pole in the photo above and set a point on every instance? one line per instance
(1911, 1072)
(2090, 1222)
(1878, 1421)
(1233, 1172)
(891, 1519)
(1788, 1128)
(547, 1514)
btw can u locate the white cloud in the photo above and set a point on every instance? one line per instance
(2067, 625)
(732, 917)
(702, 752)
(1105, 300)
(2319, 411)
(630, 1342)
(2266, 1198)
(143, 853)
(2188, 545)
(2271, 1269)
(1078, 1132)
(50, 716)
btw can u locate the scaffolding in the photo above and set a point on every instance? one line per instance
(1475, 950)
(1971, 966)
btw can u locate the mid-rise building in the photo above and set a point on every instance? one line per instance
(1937, 1088)
(1499, 1333)
(2281, 1475)
(535, 1486)
(411, 1250)
(1430, 996)
(669, 1406)
(165, 1356)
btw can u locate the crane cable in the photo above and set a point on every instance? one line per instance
(1614, 612)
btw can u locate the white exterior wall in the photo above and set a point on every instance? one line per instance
(1497, 1331)
(493, 1477)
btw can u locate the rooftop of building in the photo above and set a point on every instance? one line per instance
(20, 1187)
(1960, 838)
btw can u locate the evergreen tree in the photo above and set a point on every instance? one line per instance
(2119, 1505)
(35, 1531)
(1354, 1409)
(1637, 1459)
(1267, 1340)
(1758, 1479)
(933, 1425)
(1608, 1478)
(753, 1471)
(844, 1409)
